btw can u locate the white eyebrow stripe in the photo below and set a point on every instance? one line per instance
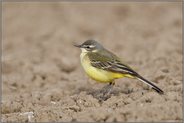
(91, 46)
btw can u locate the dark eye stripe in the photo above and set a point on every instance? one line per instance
(86, 46)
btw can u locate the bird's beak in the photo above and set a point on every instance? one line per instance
(76, 45)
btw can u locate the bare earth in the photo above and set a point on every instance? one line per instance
(44, 81)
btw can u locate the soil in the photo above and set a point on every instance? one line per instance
(43, 80)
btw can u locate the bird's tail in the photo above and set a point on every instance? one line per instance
(157, 89)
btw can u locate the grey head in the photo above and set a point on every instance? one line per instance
(90, 45)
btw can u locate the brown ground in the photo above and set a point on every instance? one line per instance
(44, 81)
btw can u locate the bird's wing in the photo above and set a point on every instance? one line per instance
(110, 62)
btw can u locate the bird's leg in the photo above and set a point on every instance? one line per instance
(112, 83)
(106, 90)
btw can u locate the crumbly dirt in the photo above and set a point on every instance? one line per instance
(43, 80)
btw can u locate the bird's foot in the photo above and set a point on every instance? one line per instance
(105, 92)
(107, 89)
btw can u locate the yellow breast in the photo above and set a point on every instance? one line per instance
(97, 74)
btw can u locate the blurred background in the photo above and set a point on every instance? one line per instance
(41, 65)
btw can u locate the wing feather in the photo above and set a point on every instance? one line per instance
(110, 63)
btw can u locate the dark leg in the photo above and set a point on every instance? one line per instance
(107, 89)
(105, 92)
(112, 83)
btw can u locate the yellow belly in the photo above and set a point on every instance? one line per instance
(98, 74)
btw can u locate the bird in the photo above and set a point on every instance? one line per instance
(104, 66)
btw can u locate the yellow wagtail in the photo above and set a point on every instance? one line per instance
(104, 66)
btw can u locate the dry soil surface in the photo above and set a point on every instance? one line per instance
(44, 81)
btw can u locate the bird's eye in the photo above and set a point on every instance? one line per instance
(88, 47)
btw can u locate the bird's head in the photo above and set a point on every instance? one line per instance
(90, 46)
